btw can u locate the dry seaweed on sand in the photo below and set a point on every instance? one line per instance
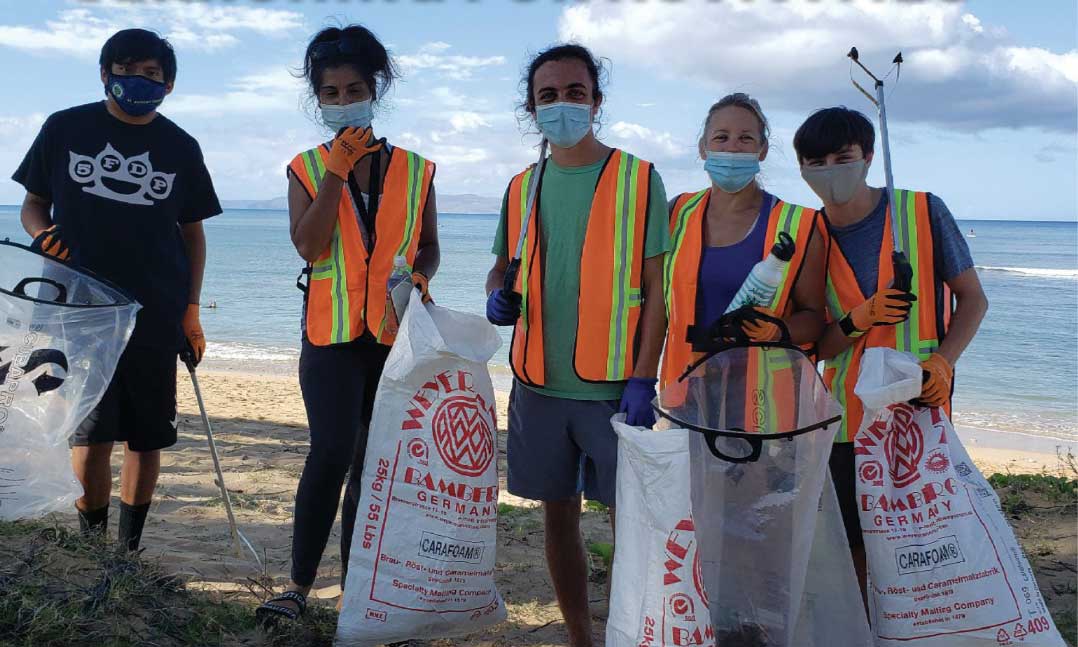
(58, 588)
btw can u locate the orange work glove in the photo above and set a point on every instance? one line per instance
(938, 375)
(51, 243)
(421, 281)
(348, 148)
(192, 330)
(885, 308)
(762, 331)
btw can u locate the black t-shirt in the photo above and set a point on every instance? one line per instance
(120, 192)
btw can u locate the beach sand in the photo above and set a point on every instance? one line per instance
(260, 427)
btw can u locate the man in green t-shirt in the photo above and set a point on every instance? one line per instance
(590, 326)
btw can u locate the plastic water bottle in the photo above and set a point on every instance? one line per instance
(399, 275)
(763, 281)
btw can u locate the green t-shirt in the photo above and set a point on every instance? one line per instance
(564, 204)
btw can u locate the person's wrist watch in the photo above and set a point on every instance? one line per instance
(848, 329)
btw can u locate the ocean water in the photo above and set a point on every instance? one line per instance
(1019, 375)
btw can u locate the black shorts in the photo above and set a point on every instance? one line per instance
(139, 406)
(843, 473)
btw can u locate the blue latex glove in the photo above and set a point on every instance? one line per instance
(503, 308)
(636, 401)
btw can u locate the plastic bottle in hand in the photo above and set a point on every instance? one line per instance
(763, 281)
(394, 310)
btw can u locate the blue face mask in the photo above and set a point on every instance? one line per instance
(732, 172)
(136, 95)
(564, 124)
(353, 115)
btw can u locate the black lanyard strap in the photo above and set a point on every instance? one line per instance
(368, 211)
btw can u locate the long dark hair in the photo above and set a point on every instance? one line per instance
(352, 45)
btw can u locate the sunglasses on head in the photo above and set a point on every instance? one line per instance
(330, 48)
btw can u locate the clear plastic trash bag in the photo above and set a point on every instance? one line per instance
(764, 509)
(61, 334)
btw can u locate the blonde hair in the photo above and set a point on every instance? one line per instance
(740, 100)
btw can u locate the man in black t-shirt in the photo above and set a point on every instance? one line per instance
(119, 189)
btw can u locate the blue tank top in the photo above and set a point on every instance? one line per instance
(724, 269)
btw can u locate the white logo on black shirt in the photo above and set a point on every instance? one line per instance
(120, 172)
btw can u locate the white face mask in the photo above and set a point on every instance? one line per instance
(353, 115)
(836, 184)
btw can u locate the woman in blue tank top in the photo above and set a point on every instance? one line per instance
(734, 142)
(719, 234)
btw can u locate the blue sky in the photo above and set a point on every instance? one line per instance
(985, 114)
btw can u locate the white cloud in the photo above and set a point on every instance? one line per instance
(432, 56)
(448, 98)
(409, 140)
(959, 72)
(195, 26)
(18, 133)
(272, 90)
(463, 122)
(75, 31)
(1050, 153)
(647, 142)
(268, 22)
(11, 126)
(449, 154)
(973, 22)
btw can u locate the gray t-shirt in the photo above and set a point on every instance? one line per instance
(860, 243)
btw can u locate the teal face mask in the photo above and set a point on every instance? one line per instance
(564, 124)
(353, 115)
(732, 172)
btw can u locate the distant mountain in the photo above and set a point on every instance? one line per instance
(468, 203)
(451, 203)
(276, 203)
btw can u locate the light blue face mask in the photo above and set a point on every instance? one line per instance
(732, 172)
(353, 115)
(564, 124)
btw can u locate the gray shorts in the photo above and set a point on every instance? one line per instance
(558, 447)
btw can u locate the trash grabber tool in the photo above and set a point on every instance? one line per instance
(188, 357)
(899, 260)
(533, 190)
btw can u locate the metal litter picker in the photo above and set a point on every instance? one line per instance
(237, 537)
(902, 269)
(533, 191)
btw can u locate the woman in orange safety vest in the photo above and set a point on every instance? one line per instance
(360, 210)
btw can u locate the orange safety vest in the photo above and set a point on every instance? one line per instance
(611, 271)
(682, 269)
(929, 318)
(346, 295)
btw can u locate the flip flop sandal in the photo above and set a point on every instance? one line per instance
(269, 611)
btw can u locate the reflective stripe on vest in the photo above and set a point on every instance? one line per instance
(347, 291)
(929, 317)
(682, 269)
(611, 271)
